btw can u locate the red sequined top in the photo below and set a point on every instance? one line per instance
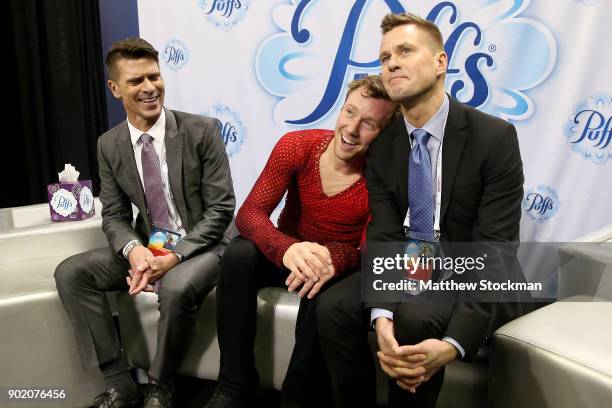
(336, 221)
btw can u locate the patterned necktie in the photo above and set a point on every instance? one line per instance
(420, 188)
(154, 190)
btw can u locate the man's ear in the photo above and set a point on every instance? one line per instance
(442, 60)
(112, 85)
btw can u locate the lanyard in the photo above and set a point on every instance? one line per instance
(438, 188)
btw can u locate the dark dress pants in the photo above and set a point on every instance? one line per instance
(82, 281)
(343, 325)
(244, 271)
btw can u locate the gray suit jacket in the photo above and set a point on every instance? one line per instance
(200, 181)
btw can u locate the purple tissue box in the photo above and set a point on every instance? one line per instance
(71, 201)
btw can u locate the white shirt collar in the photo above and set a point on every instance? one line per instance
(435, 125)
(157, 131)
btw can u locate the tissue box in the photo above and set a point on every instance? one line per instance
(71, 201)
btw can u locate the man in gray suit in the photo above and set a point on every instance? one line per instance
(172, 166)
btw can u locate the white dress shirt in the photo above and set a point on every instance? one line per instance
(158, 132)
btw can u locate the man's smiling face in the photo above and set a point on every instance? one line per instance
(360, 121)
(139, 85)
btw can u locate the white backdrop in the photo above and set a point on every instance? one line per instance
(265, 67)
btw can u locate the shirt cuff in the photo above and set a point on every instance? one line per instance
(376, 312)
(454, 343)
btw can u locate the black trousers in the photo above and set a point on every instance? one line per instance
(82, 281)
(244, 271)
(343, 325)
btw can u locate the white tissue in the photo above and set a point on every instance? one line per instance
(69, 175)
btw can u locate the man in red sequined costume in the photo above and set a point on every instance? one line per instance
(316, 243)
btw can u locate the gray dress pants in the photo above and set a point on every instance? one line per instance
(83, 279)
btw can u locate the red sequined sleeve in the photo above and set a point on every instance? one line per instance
(253, 219)
(345, 257)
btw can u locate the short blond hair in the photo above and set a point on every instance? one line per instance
(390, 21)
(372, 87)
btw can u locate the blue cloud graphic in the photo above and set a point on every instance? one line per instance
(495, 55)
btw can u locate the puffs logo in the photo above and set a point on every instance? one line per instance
(175, 54)
(589, 129)
(322, 45)
(233, 131)
(541, 203)
(224, 14)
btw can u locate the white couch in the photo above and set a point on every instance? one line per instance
(536, 360)
(37, 347)
(561, 355)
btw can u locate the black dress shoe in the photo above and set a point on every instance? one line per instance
(220, 400)
(159, 396)
(111, 398)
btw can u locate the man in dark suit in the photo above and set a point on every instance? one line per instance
(172, 166)
(472, 195)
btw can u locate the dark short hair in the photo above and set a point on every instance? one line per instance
(372, 87)
(390, 21)
(130, 48)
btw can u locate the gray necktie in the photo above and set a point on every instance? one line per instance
(154, 190)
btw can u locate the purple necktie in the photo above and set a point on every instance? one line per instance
(154, 190)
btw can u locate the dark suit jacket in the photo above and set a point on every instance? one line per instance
(482, 189)
(200, 181)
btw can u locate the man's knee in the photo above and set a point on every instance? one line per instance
(186, 285)
(177, 295)
(68, 273)
(239, 258)
(336, 311)
(412, 328)
(240, 249)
